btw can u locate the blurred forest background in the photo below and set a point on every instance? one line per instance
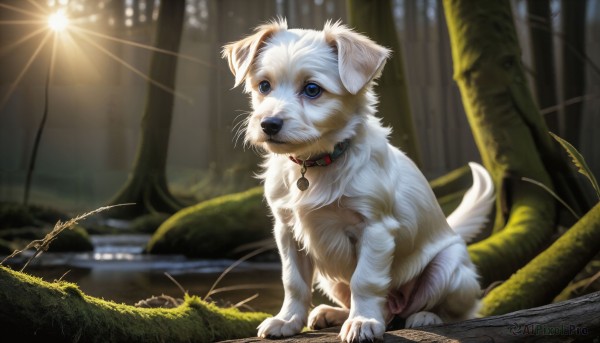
(132, 102)
(97, 94)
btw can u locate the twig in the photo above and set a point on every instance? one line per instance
(569, 102)
(591, 280)
(233, 265)
(243, 302)
(62, 276)
(176, 283)
(537, 183)
(239, 287)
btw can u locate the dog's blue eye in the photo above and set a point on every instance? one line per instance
(264, 87)
(312, 90)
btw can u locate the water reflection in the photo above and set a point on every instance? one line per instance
(125, 252)
(118, 270)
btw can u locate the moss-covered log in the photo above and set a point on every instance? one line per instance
(75, 239)
(506, 126)
(21, 224)
(216, 227)
(36, 310)
(544, 277)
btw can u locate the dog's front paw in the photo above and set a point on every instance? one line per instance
(361, 329)
(278, 327)
(324, 316)
(423, 318)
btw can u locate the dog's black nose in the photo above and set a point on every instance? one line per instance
(271, 125)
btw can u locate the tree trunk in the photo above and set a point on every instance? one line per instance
(375, 18)
(487, 67)
(540, 31)
(36, 310)
(575, 320)
(511, 136)
(147, 184)
(573, 65)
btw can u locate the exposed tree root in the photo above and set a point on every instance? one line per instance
(542, 279)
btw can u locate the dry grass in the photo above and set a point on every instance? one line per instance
(42, 245)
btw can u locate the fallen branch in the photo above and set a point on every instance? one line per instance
(36, 310)
(576, 320)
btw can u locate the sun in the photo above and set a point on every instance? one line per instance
(58, 21)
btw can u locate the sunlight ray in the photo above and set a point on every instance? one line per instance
(38, 6)
(20, 10)
(9, 47)
(77, 56)
(144, 46)
(21, 22)
(13, 86)
(132, 68)
(53, 57)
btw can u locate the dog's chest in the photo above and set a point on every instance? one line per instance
(329, 235)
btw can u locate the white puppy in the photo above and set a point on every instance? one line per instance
(352, 213)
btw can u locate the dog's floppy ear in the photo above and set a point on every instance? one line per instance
(360, 60)
(241, 54)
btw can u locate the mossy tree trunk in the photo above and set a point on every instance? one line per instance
(36, 310)
(375, 18)
(542, 48)
(147, 183)
(510, 133)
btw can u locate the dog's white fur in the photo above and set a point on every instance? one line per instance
(368, 230)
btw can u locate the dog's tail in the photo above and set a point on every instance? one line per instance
(472, 213)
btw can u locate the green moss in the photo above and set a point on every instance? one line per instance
(527, 231)
(75, 239)
(585, 282)
(13, 215)
(72, 289)
(149, 223)
(546, 275)
(214, 228)
(458, 180)
(61, 312)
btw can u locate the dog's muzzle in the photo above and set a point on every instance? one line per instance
(271, 125)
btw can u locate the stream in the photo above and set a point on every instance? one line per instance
(117, 270)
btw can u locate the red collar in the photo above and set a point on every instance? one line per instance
(326, 159)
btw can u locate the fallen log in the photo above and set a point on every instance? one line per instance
(33, 310)
(576, 320)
